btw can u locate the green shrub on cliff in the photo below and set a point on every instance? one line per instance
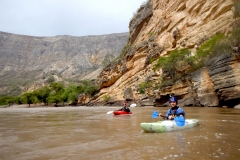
(106, 98)
(179, 63)
(142, 87)
(173, 64)
(207, 47)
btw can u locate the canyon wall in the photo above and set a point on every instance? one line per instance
(161, 26)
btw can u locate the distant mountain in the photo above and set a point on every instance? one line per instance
(27, 59)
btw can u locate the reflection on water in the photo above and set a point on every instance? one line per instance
(90, 133)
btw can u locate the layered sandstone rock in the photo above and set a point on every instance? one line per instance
(160, 27)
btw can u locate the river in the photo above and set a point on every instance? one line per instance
(70, 133)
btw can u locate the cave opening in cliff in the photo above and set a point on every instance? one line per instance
(230, 103)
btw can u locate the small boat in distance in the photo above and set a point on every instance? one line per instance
(121, 112)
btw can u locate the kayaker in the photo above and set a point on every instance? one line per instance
(174, 110)
(125, 108)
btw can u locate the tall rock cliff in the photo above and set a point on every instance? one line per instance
(26, 59)
(161, 26)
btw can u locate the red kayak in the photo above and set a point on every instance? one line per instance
(121, 112)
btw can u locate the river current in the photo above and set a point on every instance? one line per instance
(70, 133)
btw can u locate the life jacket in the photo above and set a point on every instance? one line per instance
(125, 109)
(173, 112)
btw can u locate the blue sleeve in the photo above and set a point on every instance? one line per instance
(168, 113)
(180, 111)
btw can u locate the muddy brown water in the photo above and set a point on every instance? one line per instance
(86, 133)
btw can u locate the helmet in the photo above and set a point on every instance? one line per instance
(173, 99)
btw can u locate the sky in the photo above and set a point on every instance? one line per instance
(48, 18)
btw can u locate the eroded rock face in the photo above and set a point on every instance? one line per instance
(204, 89)
(162, 26)
(217, 84)
(224, 71)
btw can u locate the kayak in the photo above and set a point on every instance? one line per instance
(121, 112)
(167, 125)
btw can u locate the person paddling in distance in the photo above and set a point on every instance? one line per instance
(174, 110)
(125, 108)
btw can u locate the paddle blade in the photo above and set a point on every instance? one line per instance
(110, 112)
(180, 120)
(155, 114)
(133, 105)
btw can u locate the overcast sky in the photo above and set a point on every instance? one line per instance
(67, 17)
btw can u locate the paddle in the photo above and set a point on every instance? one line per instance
(180, 120)
(155, 114)
(110, 112)
(132, 105)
